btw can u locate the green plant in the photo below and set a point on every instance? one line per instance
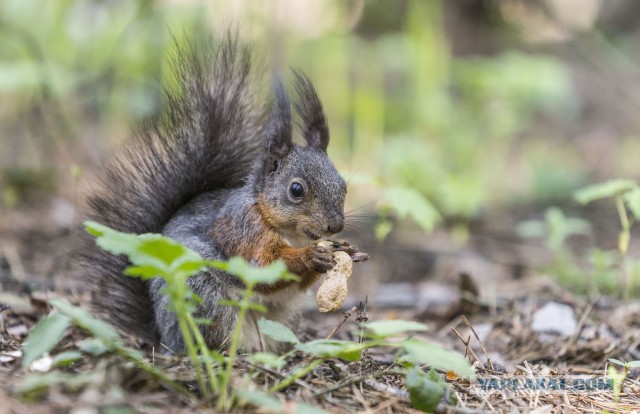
(626, 195)
(556, 228)
(153, 255)
(426, 389)
(597, 270)
(48, 332)
(618, 377)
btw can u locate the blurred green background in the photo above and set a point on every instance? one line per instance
(440, 111)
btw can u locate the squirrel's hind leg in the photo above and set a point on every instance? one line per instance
(211, 287)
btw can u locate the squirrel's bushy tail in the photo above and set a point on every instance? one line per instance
(206, 139)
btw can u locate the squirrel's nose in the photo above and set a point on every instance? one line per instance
(336, 224)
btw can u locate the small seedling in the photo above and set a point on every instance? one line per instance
(626, 194)
(556, 228)
(618, 377)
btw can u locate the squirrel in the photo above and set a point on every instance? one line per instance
(219, 173)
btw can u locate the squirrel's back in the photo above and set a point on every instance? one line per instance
(206, 139)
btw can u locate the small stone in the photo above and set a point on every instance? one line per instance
(554, 318)
(42, 364)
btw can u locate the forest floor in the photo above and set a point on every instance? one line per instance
(535, 346)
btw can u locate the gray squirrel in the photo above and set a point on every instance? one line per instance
(219, 172)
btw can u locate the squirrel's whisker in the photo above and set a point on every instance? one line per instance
(362, 219)
(363, 206)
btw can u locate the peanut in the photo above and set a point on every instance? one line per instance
(333, 291)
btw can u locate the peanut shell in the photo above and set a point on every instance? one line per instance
(333, 291)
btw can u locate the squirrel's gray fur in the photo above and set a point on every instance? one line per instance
(209, 158)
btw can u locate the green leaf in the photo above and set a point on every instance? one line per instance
(603, 190)
(329, 348)
(617, 362)
(633, 364)
(177, 260)
(94, 346)
(433, 375)
(75, 381)
(44, 337)
(405, 361)
(252, 275)
(383, 228)
(424, 392)
(162, 248)
(117, 410)
(185, 267)
(133, 354)
(383, 329)
(409, 202)
(531, 228)
(143, 272)
(88, 322)
(151, 254)
(632, 198)
(66, 358)
(437, 357)
(277, 331)
(267, 358)
(559, 227)
(111, 240)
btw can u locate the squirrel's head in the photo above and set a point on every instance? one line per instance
(299, 189)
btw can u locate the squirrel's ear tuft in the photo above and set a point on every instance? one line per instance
(279, 141)
(308, 106)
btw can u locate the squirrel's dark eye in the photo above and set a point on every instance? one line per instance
(296, 190)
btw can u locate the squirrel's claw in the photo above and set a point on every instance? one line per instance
(321, 259)
(350, 249)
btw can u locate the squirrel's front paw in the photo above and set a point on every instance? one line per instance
(321, 259)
